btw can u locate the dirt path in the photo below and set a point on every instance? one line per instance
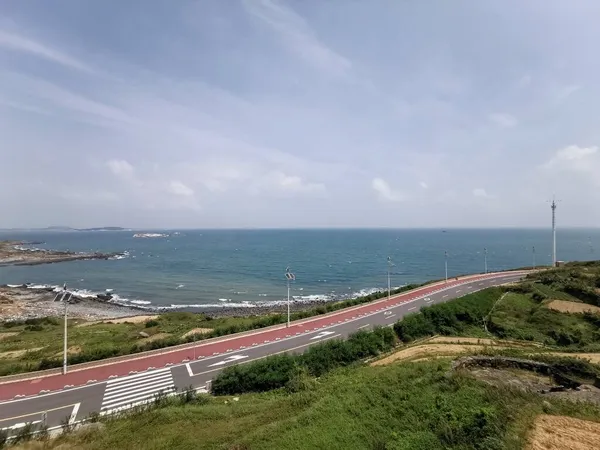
(572, 307)
(443, 346)
(427, 351)
(132, 319)
(564, 433)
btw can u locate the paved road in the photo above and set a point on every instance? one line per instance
(111, 387)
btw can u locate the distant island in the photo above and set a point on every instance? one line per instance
(63, 228)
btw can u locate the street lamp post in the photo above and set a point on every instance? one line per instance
(485, 259)
(533, 252)
(65, 298)
(446, 263)
(389, 259)
(289, 276)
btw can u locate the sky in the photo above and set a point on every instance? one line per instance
(299, 113)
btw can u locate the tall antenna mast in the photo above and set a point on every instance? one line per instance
(553, 206)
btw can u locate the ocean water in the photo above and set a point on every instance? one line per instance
(214, 268)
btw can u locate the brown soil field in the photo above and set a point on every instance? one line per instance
(564, 433)
(572, 307)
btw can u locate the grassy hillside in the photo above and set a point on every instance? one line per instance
(408, 406)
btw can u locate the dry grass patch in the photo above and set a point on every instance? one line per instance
(479, 341)
(594, 358)
(572, 307)
(18, 353)
(7, 335)
(154, 337)
(427, 351)
(564, 433)
(197, 331)
(132, 319)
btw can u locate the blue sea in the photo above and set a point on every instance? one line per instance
(219, 268)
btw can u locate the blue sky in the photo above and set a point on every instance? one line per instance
(265, 113)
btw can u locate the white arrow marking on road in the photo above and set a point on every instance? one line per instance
(228, 360)
(322, 334)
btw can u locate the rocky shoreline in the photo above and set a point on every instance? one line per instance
(21, 303)
(21, 253)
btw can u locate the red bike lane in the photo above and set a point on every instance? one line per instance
(9, 390)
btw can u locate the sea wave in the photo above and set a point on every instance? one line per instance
(109, 296)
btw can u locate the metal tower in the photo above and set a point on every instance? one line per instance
(553, 206)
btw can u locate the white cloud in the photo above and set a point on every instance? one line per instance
(566, 91)
(178, 188)
(574, 158)
(503, 120)
(18, 43)
(423, 185)
(385, 192)
(120, 168)
(480, 192)
(524, 81)
(298, 35)
(289, 183)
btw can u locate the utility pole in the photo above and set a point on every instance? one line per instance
(389, 259)
(446, 263)
(65, 298)
(485, 259)
(553, 206)
(289, 276)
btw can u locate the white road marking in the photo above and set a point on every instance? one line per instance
(74, 413)
(414, 307)
(189, 370)
(389, 317)
(445, 296)
(229, 359)
(322, 334)
(364, 326)
(122, 393)
(460, 290)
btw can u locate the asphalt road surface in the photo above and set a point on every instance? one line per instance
(112, 386)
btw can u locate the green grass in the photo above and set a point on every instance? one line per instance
(553, 294)
(405, 406)
(520, 317)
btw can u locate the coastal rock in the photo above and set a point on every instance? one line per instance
(105, 297)
(143, 334)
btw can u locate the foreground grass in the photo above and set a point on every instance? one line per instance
(406, 406)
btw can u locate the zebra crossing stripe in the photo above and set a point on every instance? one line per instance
(122, 393)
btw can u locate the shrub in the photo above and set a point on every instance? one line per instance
(290, 371)
(151, 323)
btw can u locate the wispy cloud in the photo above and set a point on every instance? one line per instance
(503, 120)
(385, 192)
(298, 35)
(18, 43)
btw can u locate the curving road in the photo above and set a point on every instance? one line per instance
(112, 385)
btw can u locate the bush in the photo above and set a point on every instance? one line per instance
(262, 375)
(448, 318)
(151, 323)
(288, 370)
